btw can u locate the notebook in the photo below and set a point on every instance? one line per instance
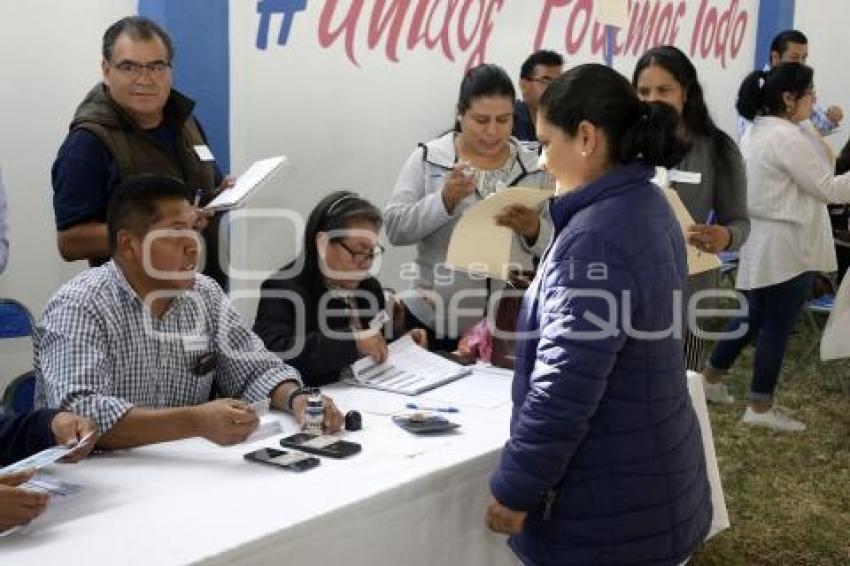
(247, 182)
(409, 369)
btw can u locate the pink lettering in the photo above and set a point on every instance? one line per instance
(471, 25)
(379, 22)
(328, 36)
(543, 25)
(719, 34)
(581, 9)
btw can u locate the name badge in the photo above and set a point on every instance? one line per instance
(203, 152)
(688, 177)
(196, 343)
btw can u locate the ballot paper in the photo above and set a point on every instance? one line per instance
(247, 182)
(45, 457)
(409, 369)
(477, 225)
(269, 426)
(698, 260)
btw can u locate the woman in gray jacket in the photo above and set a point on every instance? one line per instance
(710, 179)
(445, 177)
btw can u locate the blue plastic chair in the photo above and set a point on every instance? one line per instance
(18, 396)
(17, 322)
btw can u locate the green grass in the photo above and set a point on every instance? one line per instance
(788, 495)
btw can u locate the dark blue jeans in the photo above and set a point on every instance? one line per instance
(772, 313)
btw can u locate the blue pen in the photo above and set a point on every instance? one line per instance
(439, 409)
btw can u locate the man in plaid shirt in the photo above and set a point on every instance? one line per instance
(138, 343)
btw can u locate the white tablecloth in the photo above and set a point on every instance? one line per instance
(403, 500)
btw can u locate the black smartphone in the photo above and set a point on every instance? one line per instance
(322, 445)
(283, 459)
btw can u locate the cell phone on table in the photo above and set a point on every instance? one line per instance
(322, 445)
(294, 461)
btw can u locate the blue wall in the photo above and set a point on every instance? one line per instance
(774, 16)
(202, 62)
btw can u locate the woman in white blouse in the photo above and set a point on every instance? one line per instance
(790, 179)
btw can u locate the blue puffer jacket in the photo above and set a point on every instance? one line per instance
(605, 451)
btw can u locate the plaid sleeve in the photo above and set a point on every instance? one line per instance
(246, 370)
(73, 369)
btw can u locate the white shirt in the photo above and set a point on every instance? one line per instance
(790, 180)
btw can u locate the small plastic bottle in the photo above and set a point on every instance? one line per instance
(314, 414)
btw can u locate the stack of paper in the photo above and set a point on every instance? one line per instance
(246, 184)
(410, 369)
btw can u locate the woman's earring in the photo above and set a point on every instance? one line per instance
(584, 153)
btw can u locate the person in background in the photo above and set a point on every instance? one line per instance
(791, 180)
(792, 46)
(709, 179)
(138, 343)
(541, 68)
(133, 122)
(441, 180)
(24, 435)
(605, 461)
(317, 312)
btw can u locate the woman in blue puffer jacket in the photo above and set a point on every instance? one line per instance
(605, 462)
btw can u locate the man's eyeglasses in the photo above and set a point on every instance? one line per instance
(363, 256)
(155, 68)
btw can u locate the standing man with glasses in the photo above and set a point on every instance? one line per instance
(133, 122)
(541, 68)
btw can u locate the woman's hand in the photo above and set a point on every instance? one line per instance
(501, 519)
(709, 238)
(459, 185)
(370, 342)
(521, 219)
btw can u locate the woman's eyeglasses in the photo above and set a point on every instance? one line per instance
(376, 251)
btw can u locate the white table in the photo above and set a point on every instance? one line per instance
(403, 500)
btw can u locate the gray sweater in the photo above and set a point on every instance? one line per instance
(722, 188)
(443, 299)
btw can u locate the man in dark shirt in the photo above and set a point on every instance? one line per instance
(536, 73)
(23, 435)
(132, 123)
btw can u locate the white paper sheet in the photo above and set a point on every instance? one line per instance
(246, 183)
(409, 369)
